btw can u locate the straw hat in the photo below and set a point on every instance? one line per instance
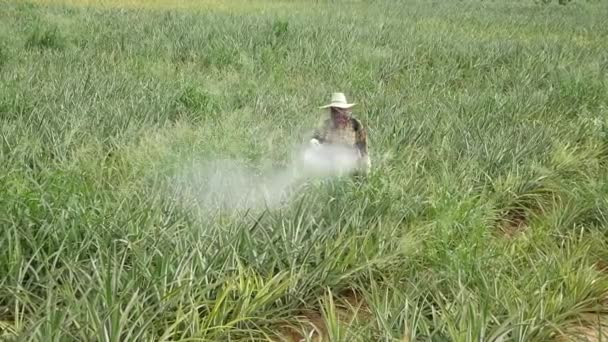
(338, 100)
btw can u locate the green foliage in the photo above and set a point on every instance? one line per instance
(198, 100)
(279, 28)
(45, 38)
(3, 55)
(484, 217)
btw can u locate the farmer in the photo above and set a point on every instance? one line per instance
(343, 129)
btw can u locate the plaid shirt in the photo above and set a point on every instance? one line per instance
(352, 135)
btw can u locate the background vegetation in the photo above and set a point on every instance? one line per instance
(485, 217)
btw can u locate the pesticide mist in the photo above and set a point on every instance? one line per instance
(228, 184)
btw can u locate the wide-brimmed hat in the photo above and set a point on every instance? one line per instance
(338, 100)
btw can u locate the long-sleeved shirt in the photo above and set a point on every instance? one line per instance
(353, 134)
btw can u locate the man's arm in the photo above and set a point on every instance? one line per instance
(361, 142)
(360, 137)
(319, 133)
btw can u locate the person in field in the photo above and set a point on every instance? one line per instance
(344, 130)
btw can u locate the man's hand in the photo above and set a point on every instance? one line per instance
(315, 143)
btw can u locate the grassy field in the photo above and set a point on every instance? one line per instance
(485, 217)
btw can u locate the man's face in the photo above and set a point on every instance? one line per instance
(338, 111)
(339, 116)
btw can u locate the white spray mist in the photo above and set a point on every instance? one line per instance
(227, 184)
